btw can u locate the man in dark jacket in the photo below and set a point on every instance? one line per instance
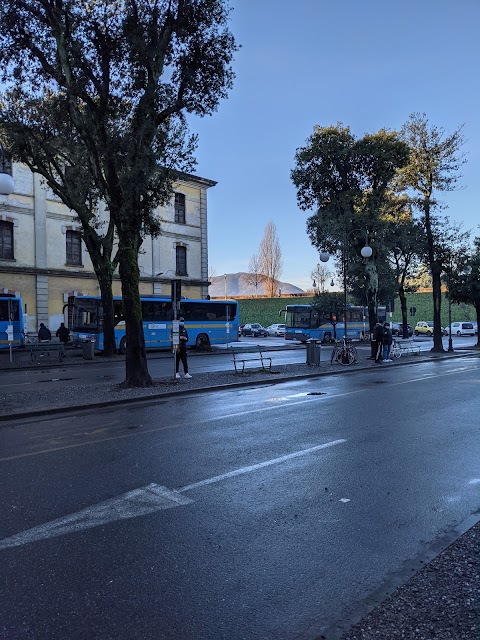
(378, 339)
(63, 333)
(182, 350)
(387, 341)
(44, 333)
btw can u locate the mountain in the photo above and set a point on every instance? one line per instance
(237, 285)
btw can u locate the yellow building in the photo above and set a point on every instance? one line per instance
(43, 258)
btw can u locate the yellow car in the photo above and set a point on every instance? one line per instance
(426, 329)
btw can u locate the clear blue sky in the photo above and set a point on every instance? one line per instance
(367, 63)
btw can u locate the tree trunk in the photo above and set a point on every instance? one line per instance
(436, 271)
(477, 309)
(403, 307)
(109, 347)
(437, 303)
(136, 368)
(372, 320)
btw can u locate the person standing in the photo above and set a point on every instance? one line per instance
(44, 333)
(182, 350)
(378, 339)
(63, 333)
(387, 341)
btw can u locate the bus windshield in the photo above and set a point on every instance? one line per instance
(86, 316)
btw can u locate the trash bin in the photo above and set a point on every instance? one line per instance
(88, 350)
(313, 352)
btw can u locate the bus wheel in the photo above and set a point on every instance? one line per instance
(123, 346)
(327, 336)
(202, 343)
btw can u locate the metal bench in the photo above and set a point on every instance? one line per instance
(407, 346)
(241, 357)
(47, 348)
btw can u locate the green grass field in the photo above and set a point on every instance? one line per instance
(266, 311)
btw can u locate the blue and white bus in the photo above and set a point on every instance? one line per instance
(208, 322)
(303, 321)
(11, 313)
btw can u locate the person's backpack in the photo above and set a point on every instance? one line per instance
(378, 333)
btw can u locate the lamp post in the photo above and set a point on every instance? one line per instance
(450, 344)
(366, 252)
(7, 185)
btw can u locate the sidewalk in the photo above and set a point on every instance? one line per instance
(439, 602)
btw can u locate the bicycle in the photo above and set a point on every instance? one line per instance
(395, 350)
(344, 352)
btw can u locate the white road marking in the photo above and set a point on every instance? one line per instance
(136, 503)
(260, 465)
(344, 500)
(130, 505)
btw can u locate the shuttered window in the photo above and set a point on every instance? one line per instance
(6, 240)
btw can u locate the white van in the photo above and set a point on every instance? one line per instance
(461, 329)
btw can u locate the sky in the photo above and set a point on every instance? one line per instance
(366, 63)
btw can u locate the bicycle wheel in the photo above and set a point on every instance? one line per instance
(334, 355)
(347, 356)
(395, 351)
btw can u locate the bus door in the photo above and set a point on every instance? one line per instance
(11, 314)
(157, 316)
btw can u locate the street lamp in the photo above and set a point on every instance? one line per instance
(366, 252)
(450, 344)
(7, 186)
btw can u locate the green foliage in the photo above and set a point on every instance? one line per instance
(465, 277)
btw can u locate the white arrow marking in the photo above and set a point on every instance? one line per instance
(130, 505)
(136, 503)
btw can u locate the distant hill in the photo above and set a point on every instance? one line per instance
(237, 285)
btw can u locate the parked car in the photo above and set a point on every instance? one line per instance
(461, 329)
(254, 329)
(397, 329)
(426, 329)
(276, 330)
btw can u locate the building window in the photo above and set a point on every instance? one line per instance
(74, 247)
(181, 261)
(6, 240)
(180, 208)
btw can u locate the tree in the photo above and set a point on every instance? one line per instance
(433, 166)
(319, 277)
(463, 278)
(125, 73)
(346, 181)
(270, 257)
(254, 277)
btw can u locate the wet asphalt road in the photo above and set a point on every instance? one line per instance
(275, 513)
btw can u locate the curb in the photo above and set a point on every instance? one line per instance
(221, 387)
